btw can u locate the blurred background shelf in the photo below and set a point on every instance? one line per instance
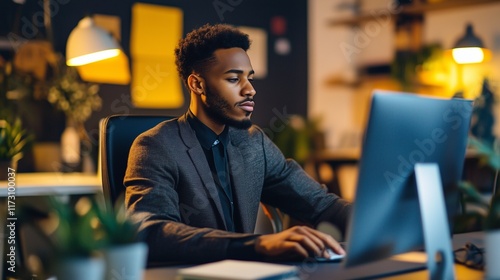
(418, 7)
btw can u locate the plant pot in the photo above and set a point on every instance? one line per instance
(80, 268)
(4, 166)
(126, 261)
(492, 254)
(70, 149)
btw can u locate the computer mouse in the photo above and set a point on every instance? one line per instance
(334, 257)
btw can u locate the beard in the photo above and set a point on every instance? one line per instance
(218, 109)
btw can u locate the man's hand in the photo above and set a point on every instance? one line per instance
(298, 241)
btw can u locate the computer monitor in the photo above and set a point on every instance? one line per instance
(404, 129)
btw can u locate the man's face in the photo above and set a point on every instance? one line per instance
(228, 97)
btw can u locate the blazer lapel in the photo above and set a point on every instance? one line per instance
(243, 191)
(197, 156)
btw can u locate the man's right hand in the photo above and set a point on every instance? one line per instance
(298, 241)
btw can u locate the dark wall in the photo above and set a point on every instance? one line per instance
(283, 91)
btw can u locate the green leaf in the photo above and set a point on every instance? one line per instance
(494, 161)
(472, 193)
(13, 139)
(480, 147)
(485, 150)
(116, 226)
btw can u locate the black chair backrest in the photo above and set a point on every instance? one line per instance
(117, 133)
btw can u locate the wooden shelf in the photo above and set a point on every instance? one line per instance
(420, 8)
(378, 80)
(416, 8)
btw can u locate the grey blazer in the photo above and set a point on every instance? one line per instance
(171, 192)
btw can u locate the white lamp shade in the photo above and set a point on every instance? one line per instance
(89, 43)
(468, 55)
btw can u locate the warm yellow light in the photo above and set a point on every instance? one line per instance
(113, 70)
(468, 55)
(92, 57)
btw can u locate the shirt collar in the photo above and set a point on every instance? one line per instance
(205, 135)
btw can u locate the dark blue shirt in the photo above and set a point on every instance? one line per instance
(215, 147)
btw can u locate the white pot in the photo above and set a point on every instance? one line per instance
(80, 268)
(492, 254)
(126, 261)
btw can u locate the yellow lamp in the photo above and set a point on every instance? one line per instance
(470, 48)
(89, 43)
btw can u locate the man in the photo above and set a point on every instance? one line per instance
(195, 182)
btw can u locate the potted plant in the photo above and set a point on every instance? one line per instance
(13, 142)
(77, 100)
(299, 138)
(76, 240)
(84, 240)
(125, 255)
(488, 212)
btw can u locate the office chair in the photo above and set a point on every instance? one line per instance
(117, 133)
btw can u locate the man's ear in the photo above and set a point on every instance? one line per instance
(195, 84)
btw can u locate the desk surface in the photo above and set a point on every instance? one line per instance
(390, 269)
(53, 183)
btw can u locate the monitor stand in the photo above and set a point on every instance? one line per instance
(440, 261)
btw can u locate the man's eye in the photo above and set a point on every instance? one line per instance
(232, 80)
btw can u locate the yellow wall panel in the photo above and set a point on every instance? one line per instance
(156, 83)
(156, 30)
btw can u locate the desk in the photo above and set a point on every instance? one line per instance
(53, 183)
(385, 269)
(44, 184)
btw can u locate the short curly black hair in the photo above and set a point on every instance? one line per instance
(195, 52)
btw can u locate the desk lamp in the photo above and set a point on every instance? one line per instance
(89, 43)
(469, 49)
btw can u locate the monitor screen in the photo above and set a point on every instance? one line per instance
(404, 129)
